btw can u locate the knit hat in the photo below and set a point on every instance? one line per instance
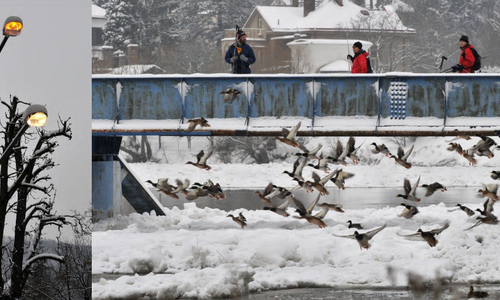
(240, 33)
(358, 44)
(464, 38)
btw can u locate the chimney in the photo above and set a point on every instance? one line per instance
(295, 3)
(340, 2)
(107, 57)
(133, 54)
(309, 6)
(120, 59)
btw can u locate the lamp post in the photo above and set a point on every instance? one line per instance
(35, 115)
(12, 27)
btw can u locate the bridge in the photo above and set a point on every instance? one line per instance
(393, 104)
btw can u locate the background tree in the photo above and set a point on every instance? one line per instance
(24, 175)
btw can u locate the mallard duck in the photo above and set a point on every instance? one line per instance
(364, 238)
(264, 196)
(302, 210)
(195, 191)
(298, 166)
(201, 160)
(474, 294)
(230, 94)
(340, 155)
(431, 188)
(409, 211)
(306, 185)
(403, 157)
(429, 236)
(289, 136)
(240, 220)
(467, 210)
(354, 225)
(194, 122)
(495, 175)
(352, 150)
(214, 190)
(314, 220)
(470, 158)
(482, 148)
(182, 186)
(281, 209)
(487, 209)
(310, 154)
(332, 207)
(490, 192)
(488, 218)
(409, 191)
(380, 149)
(339, 178)
(455, 147)
(459, 136)
(163, 186)
(322, 164)
(319, 183)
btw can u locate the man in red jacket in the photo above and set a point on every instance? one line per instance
(466, 57)
(359, 61)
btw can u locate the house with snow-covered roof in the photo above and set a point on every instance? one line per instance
(271, 29)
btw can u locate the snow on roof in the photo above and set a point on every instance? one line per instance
(335, 67)
(330, 16)
(135, 69)
(98, 12)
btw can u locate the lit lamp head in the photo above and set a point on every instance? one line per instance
(35, 115)
(12, 26)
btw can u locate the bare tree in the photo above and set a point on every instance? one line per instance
(23, 174)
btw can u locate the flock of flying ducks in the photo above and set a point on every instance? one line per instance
(338, 177)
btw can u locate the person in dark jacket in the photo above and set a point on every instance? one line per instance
(467, 59)
(240, 56)
(359, 61)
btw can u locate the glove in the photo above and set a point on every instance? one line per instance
(349, 56)
(243, 58)
(454, 69)
(460, 67)
(233, 59)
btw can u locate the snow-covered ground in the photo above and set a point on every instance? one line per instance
(199, 252)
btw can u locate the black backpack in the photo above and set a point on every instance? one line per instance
(369, 65)
(477, 59)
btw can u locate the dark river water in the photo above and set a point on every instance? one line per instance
(351, 198)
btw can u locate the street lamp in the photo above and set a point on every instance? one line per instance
(12, 27)
(35, 115)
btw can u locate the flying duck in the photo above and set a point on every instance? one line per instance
(380, 149)
(319, 183)
(340, 155)
(490, 192)
(409, 211)
(409, 191)
(364, 238)
(455, 147)
(201, 160)
(339, 178)
(310, 154)
(467, 210)
(163, 186)
(302, 210)
(230, 94)
(264, 196)
(402, 157)
(281, 209)
(289, 137)
(298, 166)
(431, 188)
(428, 236)
(322, 164)
(459, 136)
(194, 122)
(240, 220)
(332, 207)
(352, 150)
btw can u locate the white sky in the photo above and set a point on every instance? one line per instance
(50, 64)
